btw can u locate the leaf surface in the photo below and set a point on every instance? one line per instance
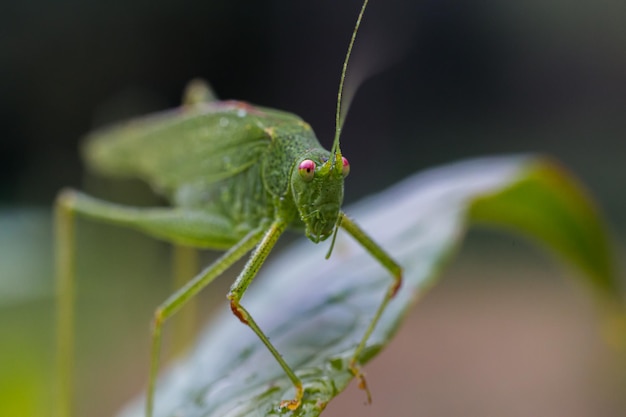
(316, 311)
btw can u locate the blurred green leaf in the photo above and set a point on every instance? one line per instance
(549, 206)
(316, 311)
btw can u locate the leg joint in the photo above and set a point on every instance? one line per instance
(397, 283)
(158, 317)
(238, 311)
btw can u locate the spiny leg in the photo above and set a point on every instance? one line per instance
(386, 261)
(180, 297)
(196, 228)
(192, 228)
(239, 288)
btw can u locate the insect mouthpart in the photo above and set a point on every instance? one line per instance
(316, 235)
(321, 225)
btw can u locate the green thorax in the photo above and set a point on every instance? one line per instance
(309, 199)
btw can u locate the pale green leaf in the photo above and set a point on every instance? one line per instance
(316, 311)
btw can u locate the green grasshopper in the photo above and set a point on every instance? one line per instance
(237, 176)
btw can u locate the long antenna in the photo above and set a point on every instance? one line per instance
(339, 119)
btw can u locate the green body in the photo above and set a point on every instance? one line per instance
(234, 160)
(237, 177)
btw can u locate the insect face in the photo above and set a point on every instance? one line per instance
(317, 186)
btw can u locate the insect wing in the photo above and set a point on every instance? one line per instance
(190, 145)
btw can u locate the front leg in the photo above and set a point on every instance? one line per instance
(183, 295)
(396, 271)
(239, 288)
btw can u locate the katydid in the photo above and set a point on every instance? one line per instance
(237, 177)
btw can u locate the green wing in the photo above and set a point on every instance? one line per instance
(191, 145)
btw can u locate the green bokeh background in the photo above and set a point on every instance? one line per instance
(447, 79)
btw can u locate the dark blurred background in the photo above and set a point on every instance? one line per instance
(451, 79)
(443, 80)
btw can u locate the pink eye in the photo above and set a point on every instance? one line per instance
(346, 167)
(307, 169)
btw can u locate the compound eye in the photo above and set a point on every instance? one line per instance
(346, 167)
(307, 170)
